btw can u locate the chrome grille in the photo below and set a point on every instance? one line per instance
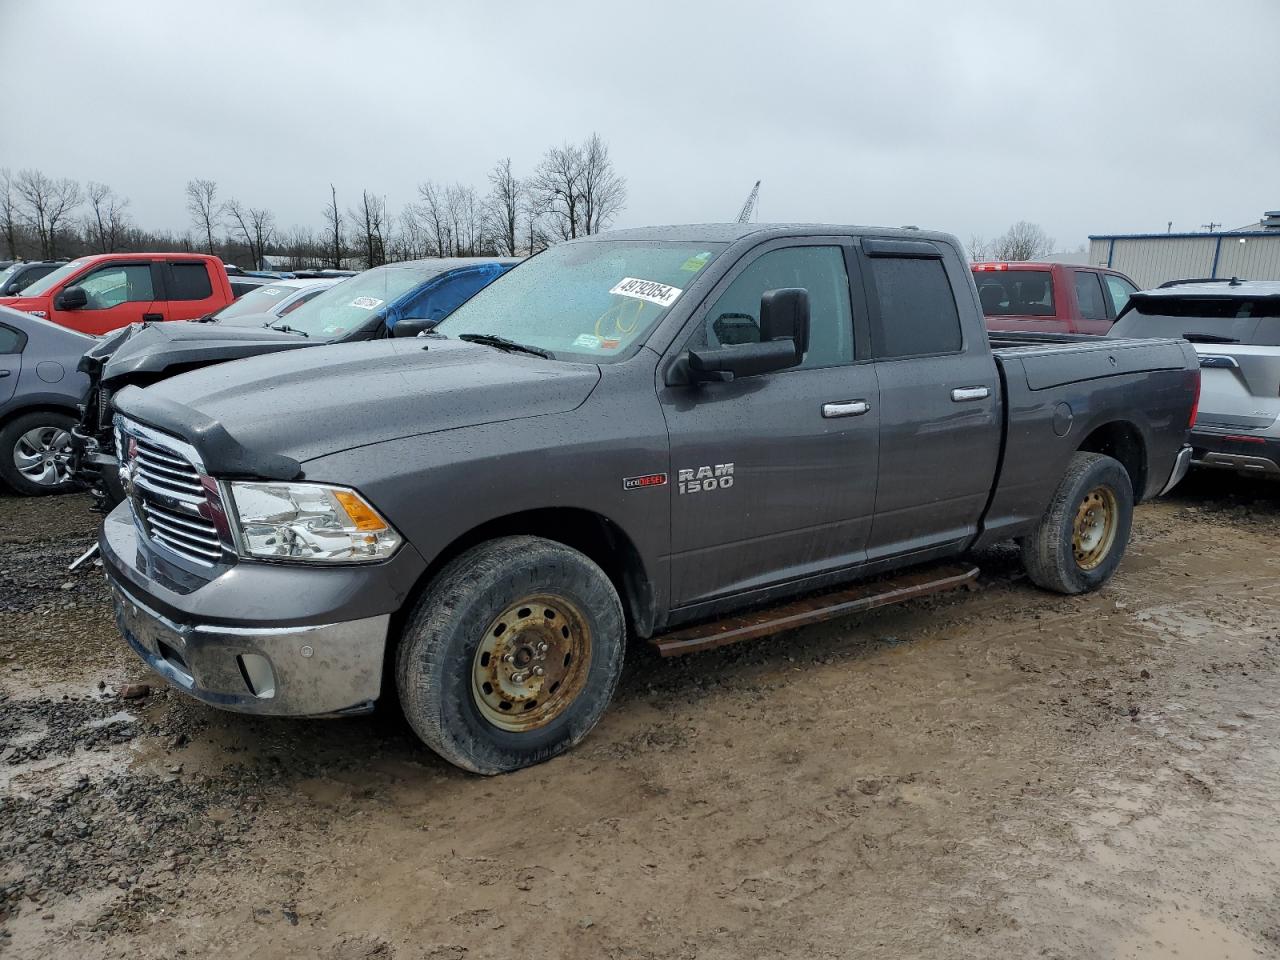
(173, 504)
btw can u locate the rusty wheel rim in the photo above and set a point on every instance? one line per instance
(1094, 530)
(531, 663)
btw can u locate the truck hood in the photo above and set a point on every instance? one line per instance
(274, 410)
(146, 351)
(39, 305)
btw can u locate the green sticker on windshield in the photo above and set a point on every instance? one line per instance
(696, 263)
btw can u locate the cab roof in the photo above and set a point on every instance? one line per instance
(731, 232)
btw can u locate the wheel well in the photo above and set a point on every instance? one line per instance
(1121, 441)
(589, 533)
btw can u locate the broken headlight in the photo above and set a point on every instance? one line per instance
(309, 521)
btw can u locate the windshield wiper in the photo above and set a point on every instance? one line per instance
(1208, 338)
(502, 343)
(285, 328)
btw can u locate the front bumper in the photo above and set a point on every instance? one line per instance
(275, 639)
(1241, 452)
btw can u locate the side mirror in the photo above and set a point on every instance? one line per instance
(72, 298)
(784, 339)
(411, 327)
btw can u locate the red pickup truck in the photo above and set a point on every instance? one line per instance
(1051, 297)
(103, 292)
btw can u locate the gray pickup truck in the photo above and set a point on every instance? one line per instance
(638, 433)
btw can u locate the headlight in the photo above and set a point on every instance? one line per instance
(309, 521)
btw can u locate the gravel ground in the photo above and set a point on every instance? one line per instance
(1006, 773)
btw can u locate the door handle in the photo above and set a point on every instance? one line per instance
(5, 373)
(845, 408)
(153, 316)
(961, 394)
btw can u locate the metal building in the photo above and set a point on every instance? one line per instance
(1250, 253)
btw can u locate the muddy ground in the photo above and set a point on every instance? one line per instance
(1004, 773)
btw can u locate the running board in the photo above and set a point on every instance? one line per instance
(881, 592)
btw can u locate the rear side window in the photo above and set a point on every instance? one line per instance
(918, 313)
(190, 282)
(1015, 293)
(1089, 296)
(11, 341)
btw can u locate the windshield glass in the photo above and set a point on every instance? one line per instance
(1015, 293)
(261, 300)
(51, 280)
(589, 300)
(350, 304)
(1202, 319)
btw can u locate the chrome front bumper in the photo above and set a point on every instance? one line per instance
(299, 671)
(1180, 467)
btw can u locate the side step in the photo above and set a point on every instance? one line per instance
(880, 592)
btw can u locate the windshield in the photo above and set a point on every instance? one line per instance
(592, 300)
(1202, 319)
(352, 303)
(261, 300)
(51, 280)
(1015, 293)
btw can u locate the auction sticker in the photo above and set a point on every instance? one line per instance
(366, 303)
(651, 290)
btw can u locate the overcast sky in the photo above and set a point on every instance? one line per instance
(1084, 117)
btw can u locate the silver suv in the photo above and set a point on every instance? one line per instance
(1234, 326)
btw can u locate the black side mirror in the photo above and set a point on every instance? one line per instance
(784, 339)
(411, 327)
(72, 298)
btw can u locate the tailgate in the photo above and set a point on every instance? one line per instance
(1239, 385)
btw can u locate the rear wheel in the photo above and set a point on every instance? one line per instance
(1082, 535)
(511, 655)
(35, 453)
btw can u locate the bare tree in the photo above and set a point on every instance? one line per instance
(202, 203)
(107, 220)
(979, 248)
(433, 208)
(1022, 241)
(256, 227)
(506, 198)
(302, 248)
(558, 183)
(46, 202)
(370, 217)
(466, 220)
(8, 214)
(603, 190)
(333, 229)
(535, 211)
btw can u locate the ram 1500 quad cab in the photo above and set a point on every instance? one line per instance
(635, 433)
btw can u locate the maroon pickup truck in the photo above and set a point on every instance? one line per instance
(1051, 297)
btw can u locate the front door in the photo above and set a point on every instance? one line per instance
(118, 294)
(774, 476)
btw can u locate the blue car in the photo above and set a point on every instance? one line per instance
(40, 388)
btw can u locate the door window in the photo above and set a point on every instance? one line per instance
(123, 283)
(735, 317)
(1089, 296)
(11, 341)
(1119, 290)
(190, 282)
(918, 315)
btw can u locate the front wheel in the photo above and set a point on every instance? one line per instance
(511, 655)
(1082, 535)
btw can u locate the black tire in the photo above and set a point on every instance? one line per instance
(11, 435)
(440, 651)
(1050, 554)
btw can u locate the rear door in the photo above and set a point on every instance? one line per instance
(11, 343)
(190, 290)
(1092, 316)
(774, 476)
(940, 423)
(118, 294)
